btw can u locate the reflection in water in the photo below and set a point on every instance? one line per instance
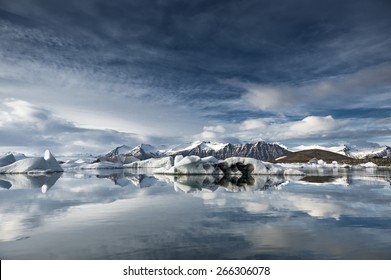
(192, 183)
(5, 184)
(230, 183)
(43, 181)
(121, 215)
(319, 179)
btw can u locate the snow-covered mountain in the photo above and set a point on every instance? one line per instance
(371, 152)
(126, 154)
(260, 150)
(352, 150)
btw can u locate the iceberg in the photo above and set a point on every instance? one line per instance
(368, 165)
(253, 166)
(193, 165)
(165, 162)
(98, 165)
(45, 164)
(293, 172)
(240, 166)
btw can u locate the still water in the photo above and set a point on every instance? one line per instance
(341, 214)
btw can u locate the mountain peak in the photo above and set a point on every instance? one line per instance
(260, 150)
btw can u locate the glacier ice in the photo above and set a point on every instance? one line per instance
(45, 164)
(164, 162)
(212, 166)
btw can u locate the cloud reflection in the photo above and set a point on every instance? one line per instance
(137, 216)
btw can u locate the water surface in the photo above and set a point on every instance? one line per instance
(338, 214)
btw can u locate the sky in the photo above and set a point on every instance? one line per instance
(87, 76)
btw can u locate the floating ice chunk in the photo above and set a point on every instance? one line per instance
(165, 162)
(293, 172)
(254, 166)
(188, 160)
(321, 162)
(46, 164)
(368, 165)
(101, 165)
(211, 159)
(193, 165)
(178, 158)
(232, 166)
(52, 163)
(28, 165)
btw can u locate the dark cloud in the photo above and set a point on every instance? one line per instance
(177, 55)
(257, 40)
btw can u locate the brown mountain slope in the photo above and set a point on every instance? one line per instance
(307, 155)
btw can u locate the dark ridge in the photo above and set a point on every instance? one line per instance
(308, 155)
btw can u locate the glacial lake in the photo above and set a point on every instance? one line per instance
(129, 214)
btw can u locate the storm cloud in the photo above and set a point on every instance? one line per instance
(173, 71)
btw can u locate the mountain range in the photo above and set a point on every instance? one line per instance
(260, 150)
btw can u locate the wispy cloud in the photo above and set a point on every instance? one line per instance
(29, 128)
(369, 88)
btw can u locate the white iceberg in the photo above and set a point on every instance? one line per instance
(193, 165)
(230, 166)
(99, 165)
(368, 165)
(164, 162)
(254, 166)
(293, 172)
(45, 164)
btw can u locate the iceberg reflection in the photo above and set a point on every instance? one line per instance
(191, 183)
(122, 215)
(26, 181)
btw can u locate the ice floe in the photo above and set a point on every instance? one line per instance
(368, 165)
(45, 164)
(164, 162)
(233, 166)
(211, 166)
